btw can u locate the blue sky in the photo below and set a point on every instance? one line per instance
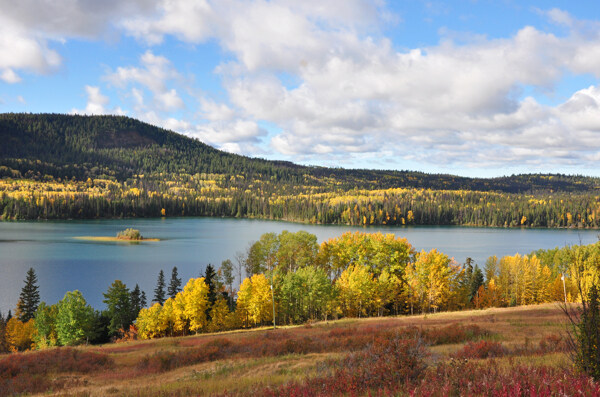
(476, 88)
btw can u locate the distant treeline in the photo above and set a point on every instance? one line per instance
(203, 195)
(57, 166)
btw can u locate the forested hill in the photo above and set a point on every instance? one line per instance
(38, 146)
(62, 167)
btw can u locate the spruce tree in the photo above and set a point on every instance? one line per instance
(118, 302)
(136, 301)
(210, 278)
(159, 291)
(175, 284)
(29, 298)
(476, 282)
(143, 300)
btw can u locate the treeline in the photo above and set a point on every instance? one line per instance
(217, 195)
(288, 278)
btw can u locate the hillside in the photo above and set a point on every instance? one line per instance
(64, 166)
(494, 352)
(67, 146)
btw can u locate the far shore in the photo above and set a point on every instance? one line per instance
(114, 239)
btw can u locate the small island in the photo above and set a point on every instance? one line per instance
(128, 235)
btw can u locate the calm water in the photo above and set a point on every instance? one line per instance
(63, 263)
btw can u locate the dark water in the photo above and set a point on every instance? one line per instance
(63, 263)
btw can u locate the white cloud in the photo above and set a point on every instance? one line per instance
(9, 76)
(28, 26)
(155, 74)
(96, 103)
(353, 92)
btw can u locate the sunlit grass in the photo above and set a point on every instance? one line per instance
(254, 361)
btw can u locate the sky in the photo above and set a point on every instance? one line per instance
(473, 87)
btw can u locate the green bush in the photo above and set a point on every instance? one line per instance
(129, 234)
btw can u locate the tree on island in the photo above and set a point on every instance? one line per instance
(159, 291)
(29, 298)
(174, 284)
(130, 234)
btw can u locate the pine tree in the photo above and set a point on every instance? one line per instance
(143, 300)
(159, 291)
(210, 278)
(174, 284)
(29, 298)
(136, 301)
(118, 302)
(476, 282)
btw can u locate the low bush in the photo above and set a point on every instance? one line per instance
(29, 373)
(480, 349)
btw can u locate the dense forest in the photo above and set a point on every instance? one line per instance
(61, 166)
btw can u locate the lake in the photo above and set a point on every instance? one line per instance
(63, 263)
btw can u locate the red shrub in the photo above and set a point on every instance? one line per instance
(454, 333)
(552, 343)
(481, 349)
(28, 373)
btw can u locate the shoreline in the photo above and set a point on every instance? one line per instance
(114, 239)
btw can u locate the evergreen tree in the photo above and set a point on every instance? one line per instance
(476, 282)
(3, 344)
(210, 278)
(29, 298)
(136, 301)
(174, 284)
(143, 300)
(159, 291)
(118, 302)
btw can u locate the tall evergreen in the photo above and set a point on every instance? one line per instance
(159, 291)
(143, 300)
(118, 302)
(210, 278)
(136, 301)
(175, 284)
(29, 298)
(476, 281)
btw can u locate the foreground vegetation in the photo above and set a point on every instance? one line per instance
(59, 167)
(500, 352)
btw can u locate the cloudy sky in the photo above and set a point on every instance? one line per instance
(474, 87)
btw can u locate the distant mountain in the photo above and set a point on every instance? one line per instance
(70, 146)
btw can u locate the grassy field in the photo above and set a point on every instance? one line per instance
(495, 352)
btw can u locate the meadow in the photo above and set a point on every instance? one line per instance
(497, 351)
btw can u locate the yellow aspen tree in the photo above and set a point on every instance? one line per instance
(168, 318)
(19, 335)
(149, 324)
(243, 302)
(218, 315)
(356, 289)
(261, 303)
(195, 303)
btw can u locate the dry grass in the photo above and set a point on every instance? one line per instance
(242, 362)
